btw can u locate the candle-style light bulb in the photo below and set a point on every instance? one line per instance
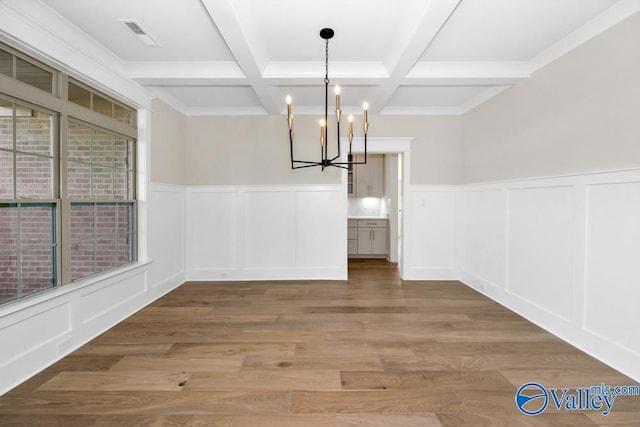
(322, 126)
(336, 89)
(289, 112)
(350, 128)
(365, 124)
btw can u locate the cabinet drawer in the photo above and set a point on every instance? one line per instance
(352, 223)
(352, 233)
(372, 223)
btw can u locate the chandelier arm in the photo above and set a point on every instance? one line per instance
(356, 163)
(365, 147)
(291, 146)
(307, 166)
(338, 165)
(307, 162)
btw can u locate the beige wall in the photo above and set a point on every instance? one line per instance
(167, 144)
(243, 150)
(436, 150)
(580, 113)
(255, 149)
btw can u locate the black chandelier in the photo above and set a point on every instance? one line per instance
(326, 161)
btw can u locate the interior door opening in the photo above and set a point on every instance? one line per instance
(375, 210)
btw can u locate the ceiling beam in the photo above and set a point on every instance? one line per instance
(169, 69)
(436, 15)
(224, 17)
(466, 73)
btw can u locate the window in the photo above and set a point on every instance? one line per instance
(26, 71)
(101, 191)
(88, 98)
(28, 226)
(67, 181)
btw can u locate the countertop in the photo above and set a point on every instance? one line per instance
(367, 217)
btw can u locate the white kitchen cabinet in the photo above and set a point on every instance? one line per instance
(378, 241)
(369, 178)
(370, 238)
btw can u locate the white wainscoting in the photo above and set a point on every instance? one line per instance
(431, 229)
(562, 252)
(38, 331)
(266, 232)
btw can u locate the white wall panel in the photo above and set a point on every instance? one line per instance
(319, 222)
(266, 232)
(165, 216)
(484, 219)
(432, 236)
(268, 229)
(613, 262)
(540, 247)
(571, 251)
(212, 229)
(33, 331)
(104, 299)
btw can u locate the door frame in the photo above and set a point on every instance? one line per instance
(387, 145)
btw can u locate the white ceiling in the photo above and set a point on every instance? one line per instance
(402, 56)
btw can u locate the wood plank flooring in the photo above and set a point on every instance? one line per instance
(371, 351)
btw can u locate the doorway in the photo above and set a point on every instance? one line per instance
(397, 150)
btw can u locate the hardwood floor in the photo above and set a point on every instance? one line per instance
(373, 351)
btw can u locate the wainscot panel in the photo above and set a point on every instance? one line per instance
(266, 232)
(568, 247)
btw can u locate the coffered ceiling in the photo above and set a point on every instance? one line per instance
(402, 56)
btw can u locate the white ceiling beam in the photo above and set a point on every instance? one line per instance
(221, 70)
(224, 17)
(315, 70)
(186, 73)
(189, 81)
(435, 17)
(313, 81)
(466, 73)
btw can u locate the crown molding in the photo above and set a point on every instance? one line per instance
(226, 111)
(482, 97)
(421, 111)
(167, 98)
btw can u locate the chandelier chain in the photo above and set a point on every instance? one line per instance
(326, 62)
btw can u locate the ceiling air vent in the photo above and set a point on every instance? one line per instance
(138, 31)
